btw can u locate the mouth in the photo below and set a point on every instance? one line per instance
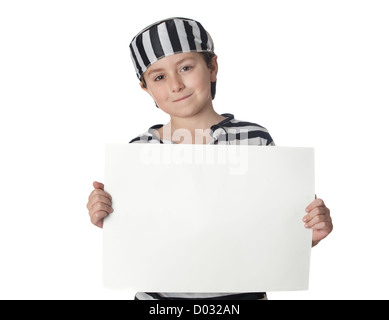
(183, 98)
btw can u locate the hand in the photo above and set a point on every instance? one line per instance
(319, 219)
(99, 204)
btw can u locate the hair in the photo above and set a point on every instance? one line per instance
(208, 60)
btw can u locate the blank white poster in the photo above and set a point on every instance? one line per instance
(207, 218)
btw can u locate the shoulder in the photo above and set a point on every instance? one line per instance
(150, 136)
(239, 132)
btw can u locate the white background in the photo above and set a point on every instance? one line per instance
(315, 73)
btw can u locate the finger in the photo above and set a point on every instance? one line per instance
(98, 198)
(100, 206)
(315, 212)
(317, 220)
(98, 185)
(99, 192)
(315, 203)
(324, 225)
(97, 218)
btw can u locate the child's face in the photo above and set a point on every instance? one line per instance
(180, 84)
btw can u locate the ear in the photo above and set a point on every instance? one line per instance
(213, 67)
(147, 90)
(143, 87)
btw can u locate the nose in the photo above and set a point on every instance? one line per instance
(176, 84)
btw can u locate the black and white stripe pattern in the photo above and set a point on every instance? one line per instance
(165, 38)
(229, 131)
(200, 296)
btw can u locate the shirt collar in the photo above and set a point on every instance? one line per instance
(214, 129)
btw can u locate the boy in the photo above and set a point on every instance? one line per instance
(176, 66)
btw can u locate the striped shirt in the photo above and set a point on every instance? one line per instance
(229, 131)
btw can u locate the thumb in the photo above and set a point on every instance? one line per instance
(98, 185)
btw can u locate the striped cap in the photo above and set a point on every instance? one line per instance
(165, 38)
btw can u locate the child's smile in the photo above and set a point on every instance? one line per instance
(180, 84)
(182, 99)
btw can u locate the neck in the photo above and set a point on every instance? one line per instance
(201, 121)
(194, 129)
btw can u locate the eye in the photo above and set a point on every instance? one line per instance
(159, 78)
(186, 68)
